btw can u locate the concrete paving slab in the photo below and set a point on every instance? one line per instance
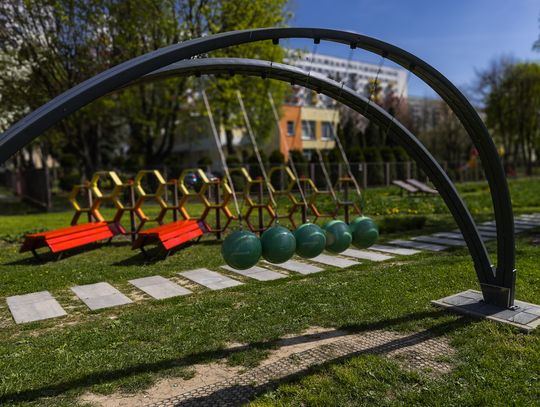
(366, 255)
(34, 307)
(159, 287)
(299, 267)
(439, 240)
(334, 261)
(256, 272)
(419, 245)
(525, 316)
(210, 279)
(394, 250)
(486, 235)
(100, 295)
(450, 235)
(487, 228)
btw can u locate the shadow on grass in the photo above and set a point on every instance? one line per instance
(48, 256)
(157, 253)
(208, 356)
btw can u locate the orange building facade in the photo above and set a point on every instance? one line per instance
(306, 128)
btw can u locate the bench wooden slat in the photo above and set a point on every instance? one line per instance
(81, 241)
(158, 229)
(405, 186)
(170, 235)
(70, 237)
(70, 229)
(421, 186)
(186, 237)
(77, 235)
(184, 229)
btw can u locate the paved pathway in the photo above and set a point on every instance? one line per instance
(100, 295)
(159, 287)
(34, 307)
(256, 272)
(42, 305)
(210, 279)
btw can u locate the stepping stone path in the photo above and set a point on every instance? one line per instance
(366, 255)
(439, 240)
(42, 305)
(334, 261)
(299, 267)
(159, 287)
(256, 272)
(100, 295)
(210, 279)
(418, 245)
(394, 250)
(34, 307)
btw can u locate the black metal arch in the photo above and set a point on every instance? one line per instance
(350, 98)
(501, 288)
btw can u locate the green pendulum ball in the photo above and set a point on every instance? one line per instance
(338, 236)
(365, 232)
(278, 244)
(310, 240)
(241, 249)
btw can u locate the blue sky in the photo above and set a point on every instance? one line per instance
(456, 37)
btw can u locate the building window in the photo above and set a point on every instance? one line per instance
(308, 129)
(290, 128)
(327, 131)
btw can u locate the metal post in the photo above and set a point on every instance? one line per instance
(408, 169)
(364, 175)
(304, 213)
(132, 221)
(90, 201)
(175, 200)
(218, 214)
(346, 201)
(259, 209)
(387, 173)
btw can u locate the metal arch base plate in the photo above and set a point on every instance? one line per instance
(523, 315)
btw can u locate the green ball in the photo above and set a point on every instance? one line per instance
(241, 249)
(310, 240)
(365, 232)
(278, 244)
(338, 236)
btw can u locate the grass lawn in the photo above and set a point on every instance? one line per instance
(128, 348)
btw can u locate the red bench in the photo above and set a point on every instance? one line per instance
(60, 240)
(170, 235)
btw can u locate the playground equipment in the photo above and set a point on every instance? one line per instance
(338, 236)
(497, 283)
(78, 235)
(364, 232)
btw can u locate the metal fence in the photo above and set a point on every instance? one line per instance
(32, 185)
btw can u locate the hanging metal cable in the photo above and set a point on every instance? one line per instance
(256, 149)
(288, 151)
(221, 154)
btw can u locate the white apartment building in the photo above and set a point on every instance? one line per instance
(356, 75)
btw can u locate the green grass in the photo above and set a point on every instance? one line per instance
(128, 348)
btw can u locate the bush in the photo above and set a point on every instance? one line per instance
(204, 162)
(300, 162)
(356, 155)
(388, 156)
(276, 158)
(401, 157)
(375, 173)
(67, 181)
(392, 224)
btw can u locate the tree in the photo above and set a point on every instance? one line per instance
(513, 112)
(238, 15)
(64, 42)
